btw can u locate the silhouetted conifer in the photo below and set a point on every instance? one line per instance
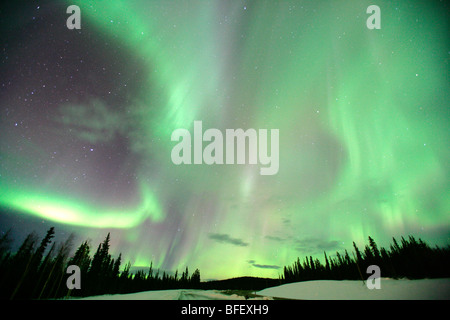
(195, 278)
(413, 259)
(30, 273)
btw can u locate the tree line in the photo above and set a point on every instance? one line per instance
(38, 270)
(409, 258)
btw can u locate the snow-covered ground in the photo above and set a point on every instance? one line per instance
(390, 289)
(180, 294)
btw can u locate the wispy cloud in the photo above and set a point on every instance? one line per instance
(265, 266)
(262, 266)
(94, 122)
(275, 238)
(225, 238)
(309, 245)
(312, 245)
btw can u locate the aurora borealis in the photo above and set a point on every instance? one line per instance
(86, 118)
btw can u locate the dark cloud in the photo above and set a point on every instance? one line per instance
(262, 266)
(312, 245)
(328, 245)
(309, 245)
(225, 238)
(275, 238)
(265, 266)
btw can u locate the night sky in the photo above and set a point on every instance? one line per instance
(86, 118)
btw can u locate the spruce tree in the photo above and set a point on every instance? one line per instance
(195, 278)
(44, 243)
(327, 264)
(150, 271)
(22, 262)
(44, 273)
(116, 268)
(5, 243)
(375, 251)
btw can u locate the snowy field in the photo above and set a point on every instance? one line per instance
(390, 289)
(180, 294)
(424, 289)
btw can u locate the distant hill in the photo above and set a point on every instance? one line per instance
(240, 283)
